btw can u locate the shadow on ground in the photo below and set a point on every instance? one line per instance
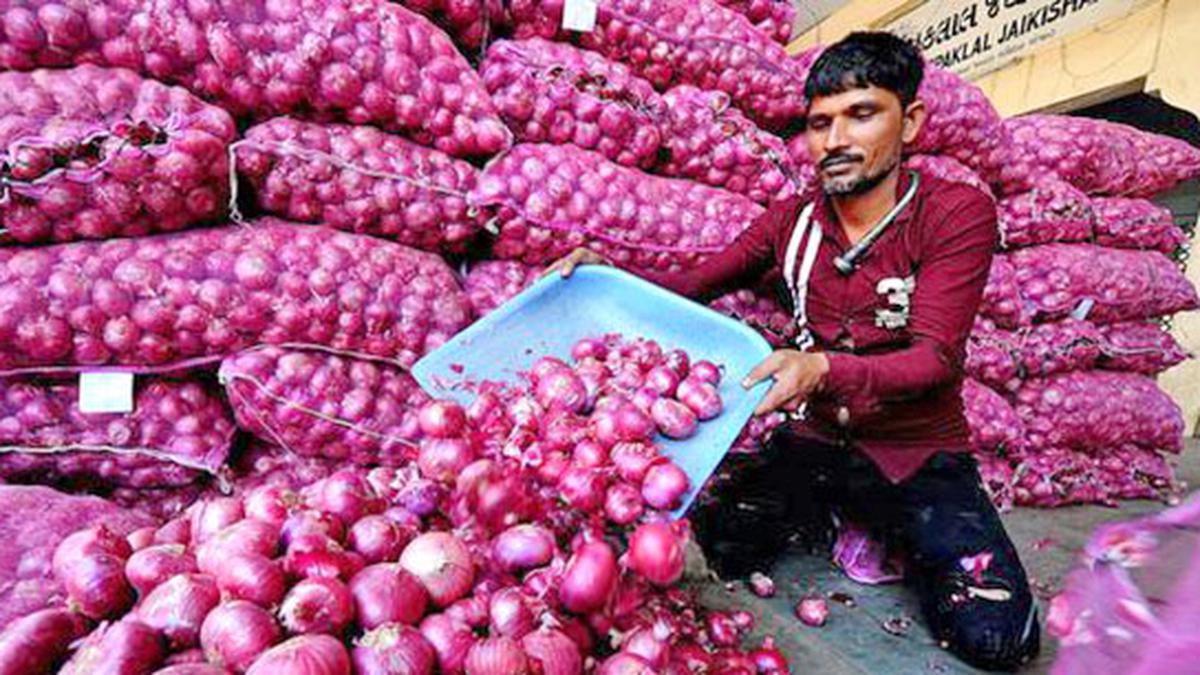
(854, 641)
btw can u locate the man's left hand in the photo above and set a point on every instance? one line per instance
(797, 375)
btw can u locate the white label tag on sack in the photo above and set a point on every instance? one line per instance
(579, 15)
(105, 392)
(1083, 309)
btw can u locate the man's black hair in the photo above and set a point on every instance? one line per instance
(863, 59)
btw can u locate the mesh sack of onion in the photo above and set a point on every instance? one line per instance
(1051, 211)
(97, 153)
(532, 537)
(359, 179)
(192, 298)
(552, 199)
(697, 42)
(1139, 347)
(329, 60)
(1052, 477)
(773, 17)
(550, 92)
(1122, 222)
(1002, 358)
(176, 431)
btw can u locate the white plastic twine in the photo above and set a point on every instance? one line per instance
(289, 149)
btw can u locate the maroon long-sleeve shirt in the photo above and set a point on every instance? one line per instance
(893, 392)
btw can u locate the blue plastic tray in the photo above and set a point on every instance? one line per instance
(549, 317)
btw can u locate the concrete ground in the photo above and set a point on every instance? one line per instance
(854, 641)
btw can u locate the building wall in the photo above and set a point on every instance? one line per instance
(1152, 49)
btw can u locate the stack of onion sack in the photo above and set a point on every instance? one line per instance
(697, 42)
(33, 520)
(96, 153)
(360, 179)
(708, 141)
(192, 298)
(176, 431)
(333, 60)
(529, 537)
(550, 92)
(551, 199)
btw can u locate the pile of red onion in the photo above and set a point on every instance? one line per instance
(530, 534)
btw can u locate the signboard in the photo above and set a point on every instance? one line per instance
(975, 37)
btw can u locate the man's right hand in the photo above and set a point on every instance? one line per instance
(580, 256)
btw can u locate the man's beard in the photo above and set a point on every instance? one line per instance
(848, 186)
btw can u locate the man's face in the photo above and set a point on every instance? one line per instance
(855, 137)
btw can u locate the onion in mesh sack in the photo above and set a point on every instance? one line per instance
(1052, 210)
(491, 283)
(1002, 302)
(1096, 156)
(994, 425)
(469, 22)
(1097, 409)
(948, 169)
(708, 141)
(552, 199)
(997, 476)
(333, 60)
(97, 153)
(696, 42)
(1003, 358)
(550, 92)
(1100, 284)
(1122, 222)
(191, 298)
(322, 404)
(360, 179)
(1054, 477)
(773, 17)
(761, 311)
(1139, 347)
(177, 430)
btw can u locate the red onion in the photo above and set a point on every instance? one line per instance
(589, 454)
(656, 553)
(632, 460)
(387, 593)
(700, 397)
(347, 495)
(195, 655)
(624, 423)
(153, 565)
(645, 398)
(622, 663)
(674, 419)
(812, 610)
(442, 419)
(664, 486)
(502, 500)
(472, 611)
(252, 577)
(317, 606)
(96, 586)
(551, 652)
(721, 629)
(393, 649)
(554, 465)
(213, 515)
(623, 503)
(509, 614)
(743, 620)
(141, 538)
(769, 660)
(38, 642)
(192, 669)
(92, 541)
(762, 585)
(579, 633)
(177, 531)
(124, 647)
(589, 579)
(442, 563)
(270, 503)
(235, 633)
(582, 488)
(651, 644)
(706, 371)
(307, 654)
(450, 639)
(474, 474)
(243, 537)
(178, 606)
(523, 547)
(304, 523)
(691, 657)
(442, 459)
(496, 656)
(561, 390)
(378, 539)
(330, 562)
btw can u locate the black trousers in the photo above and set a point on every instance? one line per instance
(972, 587)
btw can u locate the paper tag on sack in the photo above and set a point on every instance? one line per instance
(1083, 309)
(579, 15)
(105, 392)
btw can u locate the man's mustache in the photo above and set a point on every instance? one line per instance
(833, 160)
